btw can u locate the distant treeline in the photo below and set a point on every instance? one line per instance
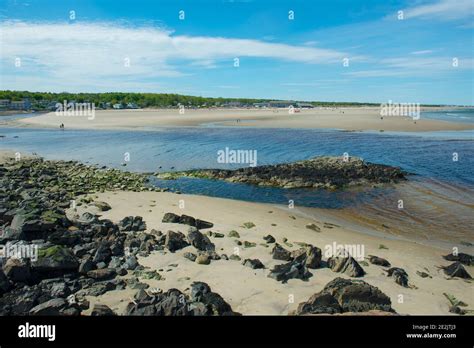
(145, 100)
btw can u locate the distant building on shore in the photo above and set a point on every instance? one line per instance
(304, 105)
(4, 103)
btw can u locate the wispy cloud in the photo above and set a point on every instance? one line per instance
(421, 52)
(443, 10)
(415, 66)
(97, 52)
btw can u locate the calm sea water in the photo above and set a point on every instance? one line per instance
(464, 115)
(440, 194)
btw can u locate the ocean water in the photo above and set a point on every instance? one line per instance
(464, 115)
(439, 195)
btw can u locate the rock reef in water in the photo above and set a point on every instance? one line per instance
(319, 172)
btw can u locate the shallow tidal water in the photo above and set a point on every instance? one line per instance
(439, 195)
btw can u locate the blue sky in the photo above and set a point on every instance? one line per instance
(144, 46)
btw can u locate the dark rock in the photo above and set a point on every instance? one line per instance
(378, 261)
(201, 224)
(465, 259)
(457, 310)
(131, 263)
(86, 266)
(102, 310)
(423, 274)
(253, 263)
(186, 220)
(347, 265)
(190, 256)
(319, 172)
(294, 269)
(203, 259)
(132, 224)
(313, 256)
(170, 218)
(269, 239)
(280, 253)
(55, 306)
(103, 253)
(213, 302)
(199, 240)
(346, 295)
(456, 269)
(102, 274)
(400, 276)
(17, 270)
(4, 283)
(175, 241)
(103, 206)
(55, 260)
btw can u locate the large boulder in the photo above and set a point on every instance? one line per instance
(347, 265)
(346, 295)
(199, 241)
(55, 260)
(175, 241)
(295, 269)
(55, 306)
(18, 270)
(170, 218)
(456, 269)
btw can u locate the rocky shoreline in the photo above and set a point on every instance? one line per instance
(320, 172)
(83, 255)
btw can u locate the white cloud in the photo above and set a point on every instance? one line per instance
(443, 9)
(89, 53)
(415, 66)
(421, 52)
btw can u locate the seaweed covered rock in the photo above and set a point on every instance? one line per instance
(55, 260)
(319, 172)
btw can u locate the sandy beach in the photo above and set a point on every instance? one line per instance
(251, 291)
(350, 119)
